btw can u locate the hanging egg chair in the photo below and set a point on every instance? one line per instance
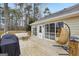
(64, 35)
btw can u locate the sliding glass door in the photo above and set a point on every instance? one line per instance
(53, 30)
(47, 31)
(50, 31)
(59, 25)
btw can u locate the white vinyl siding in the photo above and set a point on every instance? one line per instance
(73, 24)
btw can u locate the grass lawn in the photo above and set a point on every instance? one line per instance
(1, 32)
(12, 32)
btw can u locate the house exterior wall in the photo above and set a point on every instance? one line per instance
(73, 24)
(40, 35)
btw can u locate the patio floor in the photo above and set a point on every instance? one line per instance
(40, 47)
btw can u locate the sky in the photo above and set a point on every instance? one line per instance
(11, 5)
(53, 7)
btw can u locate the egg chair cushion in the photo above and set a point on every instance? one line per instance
(64, 36)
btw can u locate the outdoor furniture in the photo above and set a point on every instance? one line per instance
(64, 37)
(2, 54)
(0, 46)
(10, 45)
(74, 46)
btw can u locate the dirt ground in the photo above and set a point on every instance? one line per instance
(40, 47)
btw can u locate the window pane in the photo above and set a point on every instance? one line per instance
(52, 27)
(50, 31)
(40, 29)
(59, 25)
(35, 31)
(47, 31)
(47, 28)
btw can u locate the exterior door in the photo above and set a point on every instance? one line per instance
(40, 34)
(50, 31)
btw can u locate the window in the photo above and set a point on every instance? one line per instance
(59, 25)
(52, 27)
(50, 31)
(47, 31)
(40, 29)
(35, 31)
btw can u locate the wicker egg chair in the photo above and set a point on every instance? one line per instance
(64, 35)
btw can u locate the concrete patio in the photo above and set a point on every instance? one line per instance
(40, 47)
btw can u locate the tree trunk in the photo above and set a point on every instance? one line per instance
(6, 15)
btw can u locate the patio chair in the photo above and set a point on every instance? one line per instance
(64, 35)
